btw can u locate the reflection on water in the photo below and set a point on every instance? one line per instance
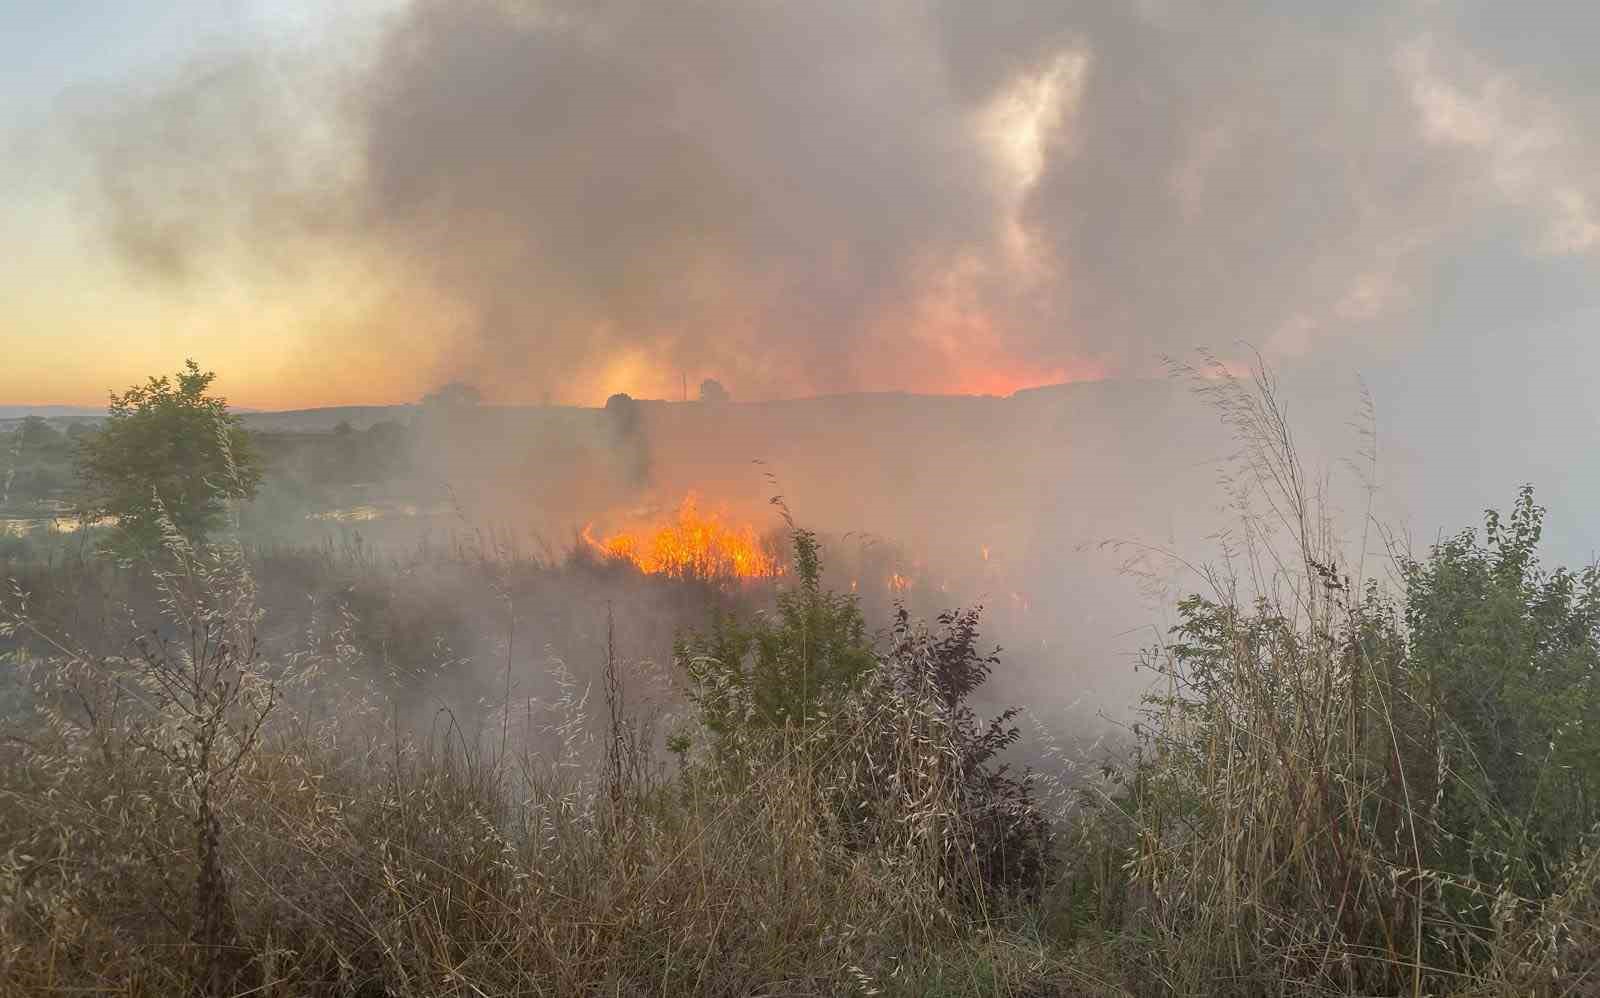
(22, 526)
(65, 523)
(371, 512)
(368, 511)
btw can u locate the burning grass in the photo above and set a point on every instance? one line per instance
(691, 545)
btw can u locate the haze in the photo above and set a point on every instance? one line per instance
(557, 201)
(731, 497)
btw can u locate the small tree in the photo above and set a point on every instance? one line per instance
(36, 435)
(167, 448)
(628, 439)
(711, 390)
(454, 395)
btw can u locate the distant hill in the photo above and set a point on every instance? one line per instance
(359, 417)
(65, 412)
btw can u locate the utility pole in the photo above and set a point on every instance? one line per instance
(685, 376)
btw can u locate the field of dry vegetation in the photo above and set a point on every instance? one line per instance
(1353, 775)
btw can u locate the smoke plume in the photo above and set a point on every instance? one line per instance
(582, 197)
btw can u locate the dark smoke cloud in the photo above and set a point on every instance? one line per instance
(727, 186)
(802, 197)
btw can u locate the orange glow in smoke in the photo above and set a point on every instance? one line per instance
(1003, 379)
(691, 545)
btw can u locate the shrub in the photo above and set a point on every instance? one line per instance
(784, 667)
(904, 760)
(925, 747)
(1506, 656)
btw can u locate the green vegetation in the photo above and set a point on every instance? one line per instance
(1508, 657)
(1336, 787)
(788, 667)
(168, 455)
(36, 463)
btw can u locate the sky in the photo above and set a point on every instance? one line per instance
(558, 200)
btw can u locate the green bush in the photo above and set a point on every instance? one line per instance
(1507, 658)
(783, 667)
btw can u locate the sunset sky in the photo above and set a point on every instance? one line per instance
(561, 200)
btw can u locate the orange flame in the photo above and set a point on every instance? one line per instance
(693, 545)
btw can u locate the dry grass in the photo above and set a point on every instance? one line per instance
(322, 849)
